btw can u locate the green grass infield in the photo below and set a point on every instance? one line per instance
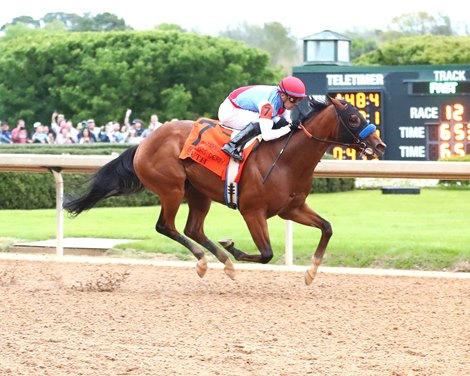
(427, 231)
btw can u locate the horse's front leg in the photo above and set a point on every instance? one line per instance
(258, 228)
(306, 216)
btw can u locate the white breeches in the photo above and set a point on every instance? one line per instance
(236, 118)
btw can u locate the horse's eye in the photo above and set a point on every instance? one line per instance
(354, 121)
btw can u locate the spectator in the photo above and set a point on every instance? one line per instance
(91, 125)
(56, 120)
(73, 133)
(138, 126)
(149, 130)
(124, 131)
(79, 127)
(127, 116)
(116, 136)
(90, 134)
(39, 136)
(56, 128)
(19, 135)
(104, 134)
(154, 124)
(64, 137)
(86, 137)
(46, 128)
(132, 137)
(51, 137)
(5, 134)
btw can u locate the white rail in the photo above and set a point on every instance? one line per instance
(327, 168)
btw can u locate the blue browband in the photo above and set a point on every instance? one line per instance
(367, 131)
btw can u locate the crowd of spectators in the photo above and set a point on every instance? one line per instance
(62, 131)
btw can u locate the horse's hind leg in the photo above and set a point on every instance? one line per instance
(306, 216)
(166, 226)
(199, 206)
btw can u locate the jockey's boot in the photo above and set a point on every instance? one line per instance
(241, 138)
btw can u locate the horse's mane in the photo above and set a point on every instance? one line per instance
(316, 105)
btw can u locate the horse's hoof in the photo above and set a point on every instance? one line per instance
(226, 243)
(201, 267)
(309, 277)
(230, 269)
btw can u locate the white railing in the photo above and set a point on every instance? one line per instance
(326, 168)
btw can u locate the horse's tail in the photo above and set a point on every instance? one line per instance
(115, 178)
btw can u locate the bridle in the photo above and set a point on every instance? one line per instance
(357, 144)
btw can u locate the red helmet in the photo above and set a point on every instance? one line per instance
(292, 86)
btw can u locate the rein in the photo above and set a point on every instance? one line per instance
(277, 158)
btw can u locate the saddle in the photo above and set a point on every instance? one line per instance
(203, 146)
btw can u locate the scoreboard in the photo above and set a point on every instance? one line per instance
(422, 112)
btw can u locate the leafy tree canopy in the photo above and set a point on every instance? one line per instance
(420, 50)
(405, 25)
(421, 23)
(100, 75)
(273, 38)
(72, 22)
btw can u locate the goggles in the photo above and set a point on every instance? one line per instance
(293, 99)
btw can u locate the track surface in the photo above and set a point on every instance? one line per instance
(167, 321)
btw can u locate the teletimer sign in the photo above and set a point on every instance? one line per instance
(421, 112)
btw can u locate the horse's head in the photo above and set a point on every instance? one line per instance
(355, 131)
(345, 126)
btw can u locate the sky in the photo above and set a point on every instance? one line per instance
(301, 17)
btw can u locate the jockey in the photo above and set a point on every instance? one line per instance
(256, 109)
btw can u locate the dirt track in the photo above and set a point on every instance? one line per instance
(167, 321)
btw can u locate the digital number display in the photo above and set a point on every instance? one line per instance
(369, 104)
(421, 111)
(452, 135)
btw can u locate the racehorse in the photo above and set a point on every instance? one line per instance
(276, 180)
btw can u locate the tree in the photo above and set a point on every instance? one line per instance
(421, 23)
(420, 50)
(273, 38)
(71, 22)
(23, 20)
(99, 75)
(362, 41)
(169, 27)
(101, 22)
(405, 25)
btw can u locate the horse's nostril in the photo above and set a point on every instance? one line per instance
(381, 148)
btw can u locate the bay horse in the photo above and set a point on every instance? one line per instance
(271, 184)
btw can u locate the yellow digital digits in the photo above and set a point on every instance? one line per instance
(453, 133)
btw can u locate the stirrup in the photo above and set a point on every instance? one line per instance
(233, 154)
(236, 156)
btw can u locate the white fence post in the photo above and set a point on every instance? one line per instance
(59, 198)
(289, 244)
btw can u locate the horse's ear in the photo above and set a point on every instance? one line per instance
(337, 103)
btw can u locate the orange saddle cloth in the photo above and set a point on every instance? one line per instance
(204, 145)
